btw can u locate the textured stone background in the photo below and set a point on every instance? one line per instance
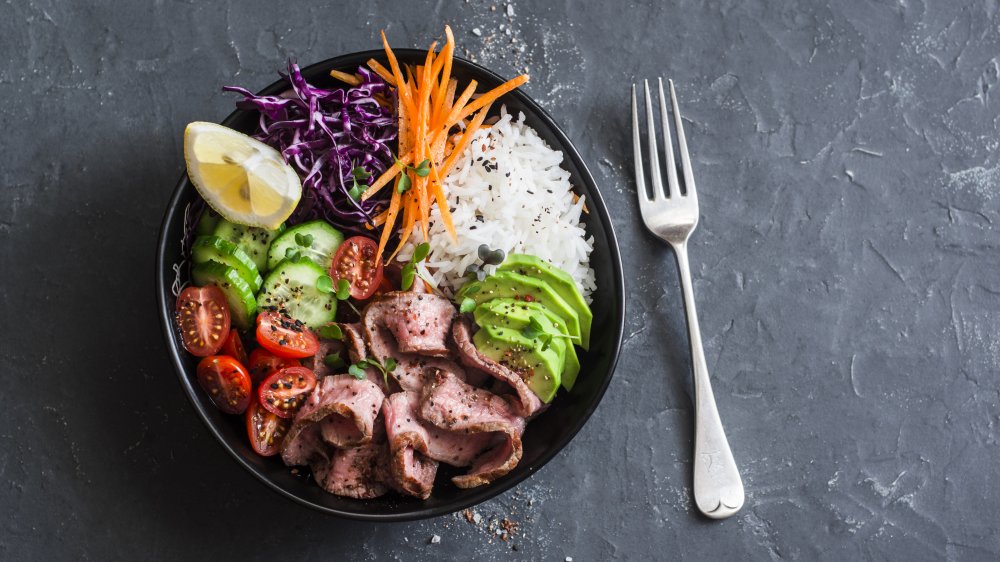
(846, 268)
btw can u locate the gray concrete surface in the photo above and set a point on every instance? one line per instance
(846, 267)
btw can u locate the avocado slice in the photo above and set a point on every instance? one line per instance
(541, 370)
(508, 284)
(559, 280)
(515, 314)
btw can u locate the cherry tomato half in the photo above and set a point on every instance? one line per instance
(203, 318)
(233, 347)
(227, 383)
(285, 391)
(262, 363)
(266, 430)
(285, 337)
(357, 261)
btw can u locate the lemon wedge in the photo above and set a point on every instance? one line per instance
(243, 179)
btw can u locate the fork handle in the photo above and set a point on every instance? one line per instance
(718, 489)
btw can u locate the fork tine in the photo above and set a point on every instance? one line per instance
(682, 145)
(654, 158)
(640, 177)
(668, 145)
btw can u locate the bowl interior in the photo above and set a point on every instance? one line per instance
(545, 436)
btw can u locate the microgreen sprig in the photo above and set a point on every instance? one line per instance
(342, 289)
(330, 331)
(294, 253)
(422, 170)
(409, 271)
(358, 174)
(334, 361)
(468, 305)
(536, 330)
(357, 370)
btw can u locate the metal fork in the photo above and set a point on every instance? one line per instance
(672, 216)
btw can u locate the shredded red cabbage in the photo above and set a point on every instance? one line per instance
(324, 134)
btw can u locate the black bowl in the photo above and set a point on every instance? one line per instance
(545, 436)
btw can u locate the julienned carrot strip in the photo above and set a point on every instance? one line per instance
(456, 110)
(425, 82)
(401, 85)
(433, 100)
(424, 207)
(449, 100)
(439, 61)
(382, 71)
(407, 212)
(345, 77)
(464, 141)
(427, 112)
(390, 219)
(407, 225)
(437, 140)
(452, 118)
(445, 213)
(448, 54)
(386, 177)
(492, 95)
(442, 202)
(437, 151)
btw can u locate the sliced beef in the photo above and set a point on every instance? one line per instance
(403, 425)
(412, 370)
(354, 339)
(341, 431)
(529, 403)
(357, 350)
(412, 473)
(419, 322)
(351, 407)
(451, 404)
(317, 363)
(357, 472)
(493, 464)
(345, 409)
(416, 447)
(361, 443)
(320, 470)
(303, 445)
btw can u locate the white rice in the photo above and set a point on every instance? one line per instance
(508, 191)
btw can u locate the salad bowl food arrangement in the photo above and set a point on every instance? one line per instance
(422, 270)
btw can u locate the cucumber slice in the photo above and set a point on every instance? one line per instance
(324, 241)
(207, 222)
(242, 304)
(213, 248)
(292, 287)
(251, 239)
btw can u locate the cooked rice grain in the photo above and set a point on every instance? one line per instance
(508, 191)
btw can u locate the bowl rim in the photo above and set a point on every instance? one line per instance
(474, 495)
